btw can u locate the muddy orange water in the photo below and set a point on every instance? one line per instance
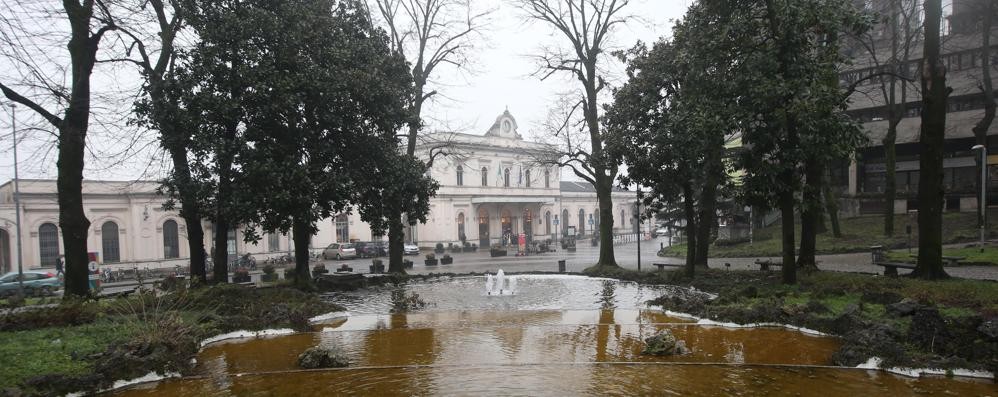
(465, 343)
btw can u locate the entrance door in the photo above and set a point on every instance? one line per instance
(483, 229)
(528, 225)
(5, 265)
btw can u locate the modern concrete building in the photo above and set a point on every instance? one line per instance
(492, 187)
(898, 37)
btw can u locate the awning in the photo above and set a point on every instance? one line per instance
(512, 199)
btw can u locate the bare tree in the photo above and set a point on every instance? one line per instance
(587, 27)
(889, 49)
(431, 34)
(89, 21)
(153, 53)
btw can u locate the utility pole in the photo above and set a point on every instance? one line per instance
(17, 202)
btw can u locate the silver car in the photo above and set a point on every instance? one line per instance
(340, 251)
(410, 249)
(36, 282)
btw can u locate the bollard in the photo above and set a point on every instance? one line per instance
(561, 266)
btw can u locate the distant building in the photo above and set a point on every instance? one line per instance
(492, 187)
(862, 181)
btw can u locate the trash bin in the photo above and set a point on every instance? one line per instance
(561, 266)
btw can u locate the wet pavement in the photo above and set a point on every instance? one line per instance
(627, 257)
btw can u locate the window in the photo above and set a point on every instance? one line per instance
(582, 221)
(48, 244)
(274, 242)
(596, 218)
(342, 228)
(506, 178)
(547, 222)
(547, 178)
(109, 242)
(623, 218)
(528, 178)
(564, 222)
(171, 240)
(460, 176)
(485, 176)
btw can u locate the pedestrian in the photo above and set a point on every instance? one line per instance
(59, 263)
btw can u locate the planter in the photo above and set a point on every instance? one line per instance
(269, 278)
(376, 269)
(407, 264)
(496, 253)
(595, 242)
(243, 278)
(446, 261)
(439, 250)
(570, 249)
(430, 262)
(468, 249)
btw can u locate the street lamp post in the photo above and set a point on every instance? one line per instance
(17, 202)
(984, 190)
(751, 223)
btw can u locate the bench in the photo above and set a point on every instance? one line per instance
(950, 260)
(661, 266)
(891, 268)
(764, 265)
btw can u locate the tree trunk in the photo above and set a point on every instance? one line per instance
(787, 228)
(707, 218)
(890, 178)
(932, 139)
(603, 192)
(689, 210)
(396, 235)
(982, 126)
(832, 207)
(195, 243)
(72, 220)
(302, 237)
(810, 214)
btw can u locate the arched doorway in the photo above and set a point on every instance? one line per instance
(547, 223)
(48, 244)
(5, 265)
(171, 240)
(582, 222)
(528, 224)
(483, 228)
(460, 228)
(506, 222)
(564, 223)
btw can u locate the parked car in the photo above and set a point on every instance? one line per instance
(370, 249)
(410, 249)
(661, 232)
(339, 251)
(35, 283)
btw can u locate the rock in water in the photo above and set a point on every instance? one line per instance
(664, 344)
(323, 357)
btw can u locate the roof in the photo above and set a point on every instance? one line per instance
(583, 187)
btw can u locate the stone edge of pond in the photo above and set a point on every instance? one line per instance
(151, 377)
(872, 364)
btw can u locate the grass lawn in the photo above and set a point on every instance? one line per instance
(858, 235)
(61, 350)
(973, 255)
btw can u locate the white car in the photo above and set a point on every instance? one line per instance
(661, 232)
(410, 249)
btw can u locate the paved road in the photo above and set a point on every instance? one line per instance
(627, 256)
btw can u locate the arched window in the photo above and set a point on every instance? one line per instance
(342, 228)
(460, 228)
(171, 240)
(48, 244)
(109, 242)
(527, 175)
(547, 178)
(582, 221)
(274, 242)
(596, 218)
(506, 178)
(623, 219)
(485, 176)
(460, 175)
(547, 223)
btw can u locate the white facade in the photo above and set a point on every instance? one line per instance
(492, 198)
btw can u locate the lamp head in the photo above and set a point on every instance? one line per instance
(977, 147)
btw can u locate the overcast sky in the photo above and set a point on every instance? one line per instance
(501, 77)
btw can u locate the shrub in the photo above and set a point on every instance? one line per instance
(440, 246)
(269, 269)
(430, 257)
(57, 316)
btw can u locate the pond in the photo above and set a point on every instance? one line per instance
(556, 335)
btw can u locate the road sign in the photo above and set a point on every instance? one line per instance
(556, 221)
(93, 266)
